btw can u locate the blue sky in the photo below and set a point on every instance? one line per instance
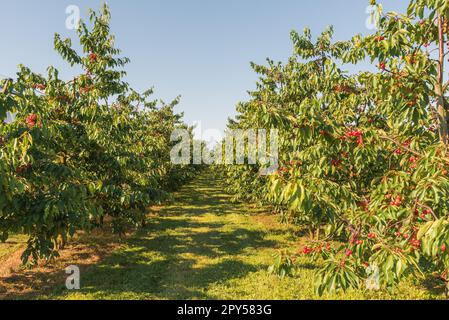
(199, 49)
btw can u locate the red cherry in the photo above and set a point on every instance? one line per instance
(348, 253)
(93, 57)
(371, 235)
(307, 250)
(31, 120)
(443, 248)
(354, 133)
(415, 243)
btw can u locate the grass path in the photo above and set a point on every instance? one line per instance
(201, 247)
(204, 247)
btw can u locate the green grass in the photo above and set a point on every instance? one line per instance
(205, 247)
(14, 243)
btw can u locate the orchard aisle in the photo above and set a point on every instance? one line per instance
(200, 247)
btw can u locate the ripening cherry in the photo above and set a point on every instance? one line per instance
(415, 243)
(426, 212)
(307, 250)
(39, 86)
(93, 57)
(352, 240)
(397, 202)
(348, 253)
(354, 133)
(31, 120)
(336, 163)
(443, 248)
(372, 235)
(85, 90)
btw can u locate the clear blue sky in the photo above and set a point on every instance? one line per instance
(199, 49)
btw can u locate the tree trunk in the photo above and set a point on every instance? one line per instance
(441, 108)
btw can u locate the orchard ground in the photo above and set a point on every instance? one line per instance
(200, 247)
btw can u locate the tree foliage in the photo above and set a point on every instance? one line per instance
(83, 149)
(364, 156)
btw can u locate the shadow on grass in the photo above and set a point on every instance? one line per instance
(435, 287)
(181, 253)
(50, 278)
(185, 248)
(173, 272)
(146, 279)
